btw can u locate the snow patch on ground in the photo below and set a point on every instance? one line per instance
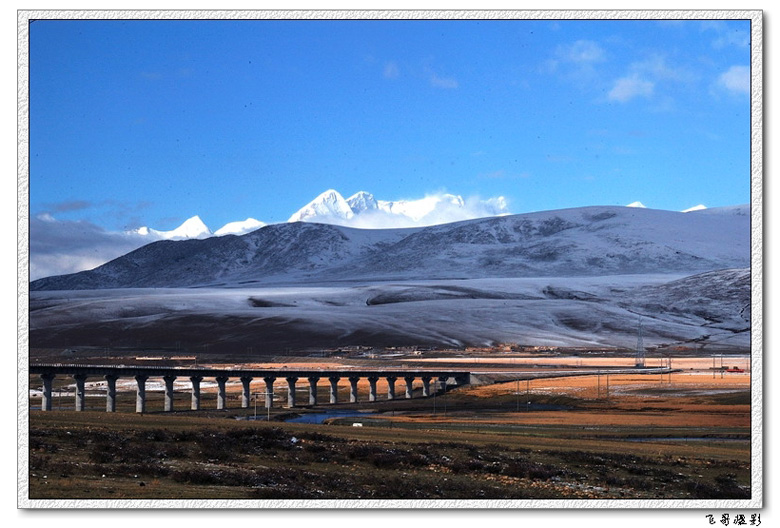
(556, 311)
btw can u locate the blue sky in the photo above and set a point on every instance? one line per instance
(150, 122)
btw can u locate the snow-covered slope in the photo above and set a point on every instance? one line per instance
(239, 228)
(708, 311)
(588, 241)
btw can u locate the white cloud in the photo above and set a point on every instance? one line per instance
(576, 61)
(58, 247)
(391, 71)
(727, 34)
(581, 52)
(735, 80)
(657, 68)
(627, 88)
(447, 83)
(501, 174)
(646, 78)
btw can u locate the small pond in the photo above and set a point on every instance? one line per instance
(318, 418)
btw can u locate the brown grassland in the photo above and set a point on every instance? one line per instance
(631, 436)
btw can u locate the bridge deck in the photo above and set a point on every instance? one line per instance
(145, 370)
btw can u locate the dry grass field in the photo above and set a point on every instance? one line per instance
(684, 435)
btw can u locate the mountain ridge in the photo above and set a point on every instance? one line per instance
(360, 210)
(594, 240)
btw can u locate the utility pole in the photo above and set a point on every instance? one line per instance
(435, 390)
(268, 409)
(640, 348)
(445, 397)
(528, 395)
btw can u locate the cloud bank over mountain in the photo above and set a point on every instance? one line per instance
(62, 246)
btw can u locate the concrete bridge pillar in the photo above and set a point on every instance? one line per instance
(269, 392)
(140, 395)
(80, 402)
(353, 389)
(391, 387)
(426, 380)
(291, 391)
(313, 390)
(409, 386)
(334, 389)
(372, 388)
(46, 401)
(221, 396)
(195, 380)
(246, 395)
(111, 392)
(169, 392)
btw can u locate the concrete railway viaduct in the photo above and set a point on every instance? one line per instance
(141, 374)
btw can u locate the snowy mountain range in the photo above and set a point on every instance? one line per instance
(191, 228)
(572, 277)
(584, 241)
(58, 247)
(195, 228)
(361, 210)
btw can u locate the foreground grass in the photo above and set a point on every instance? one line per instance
(126, 456)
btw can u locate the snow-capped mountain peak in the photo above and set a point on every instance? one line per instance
(239, 228)
(695, 208)
(193, 227)
(362, 210)
(362, 201)
(328, 205)
(587, 241)
(637, 204)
